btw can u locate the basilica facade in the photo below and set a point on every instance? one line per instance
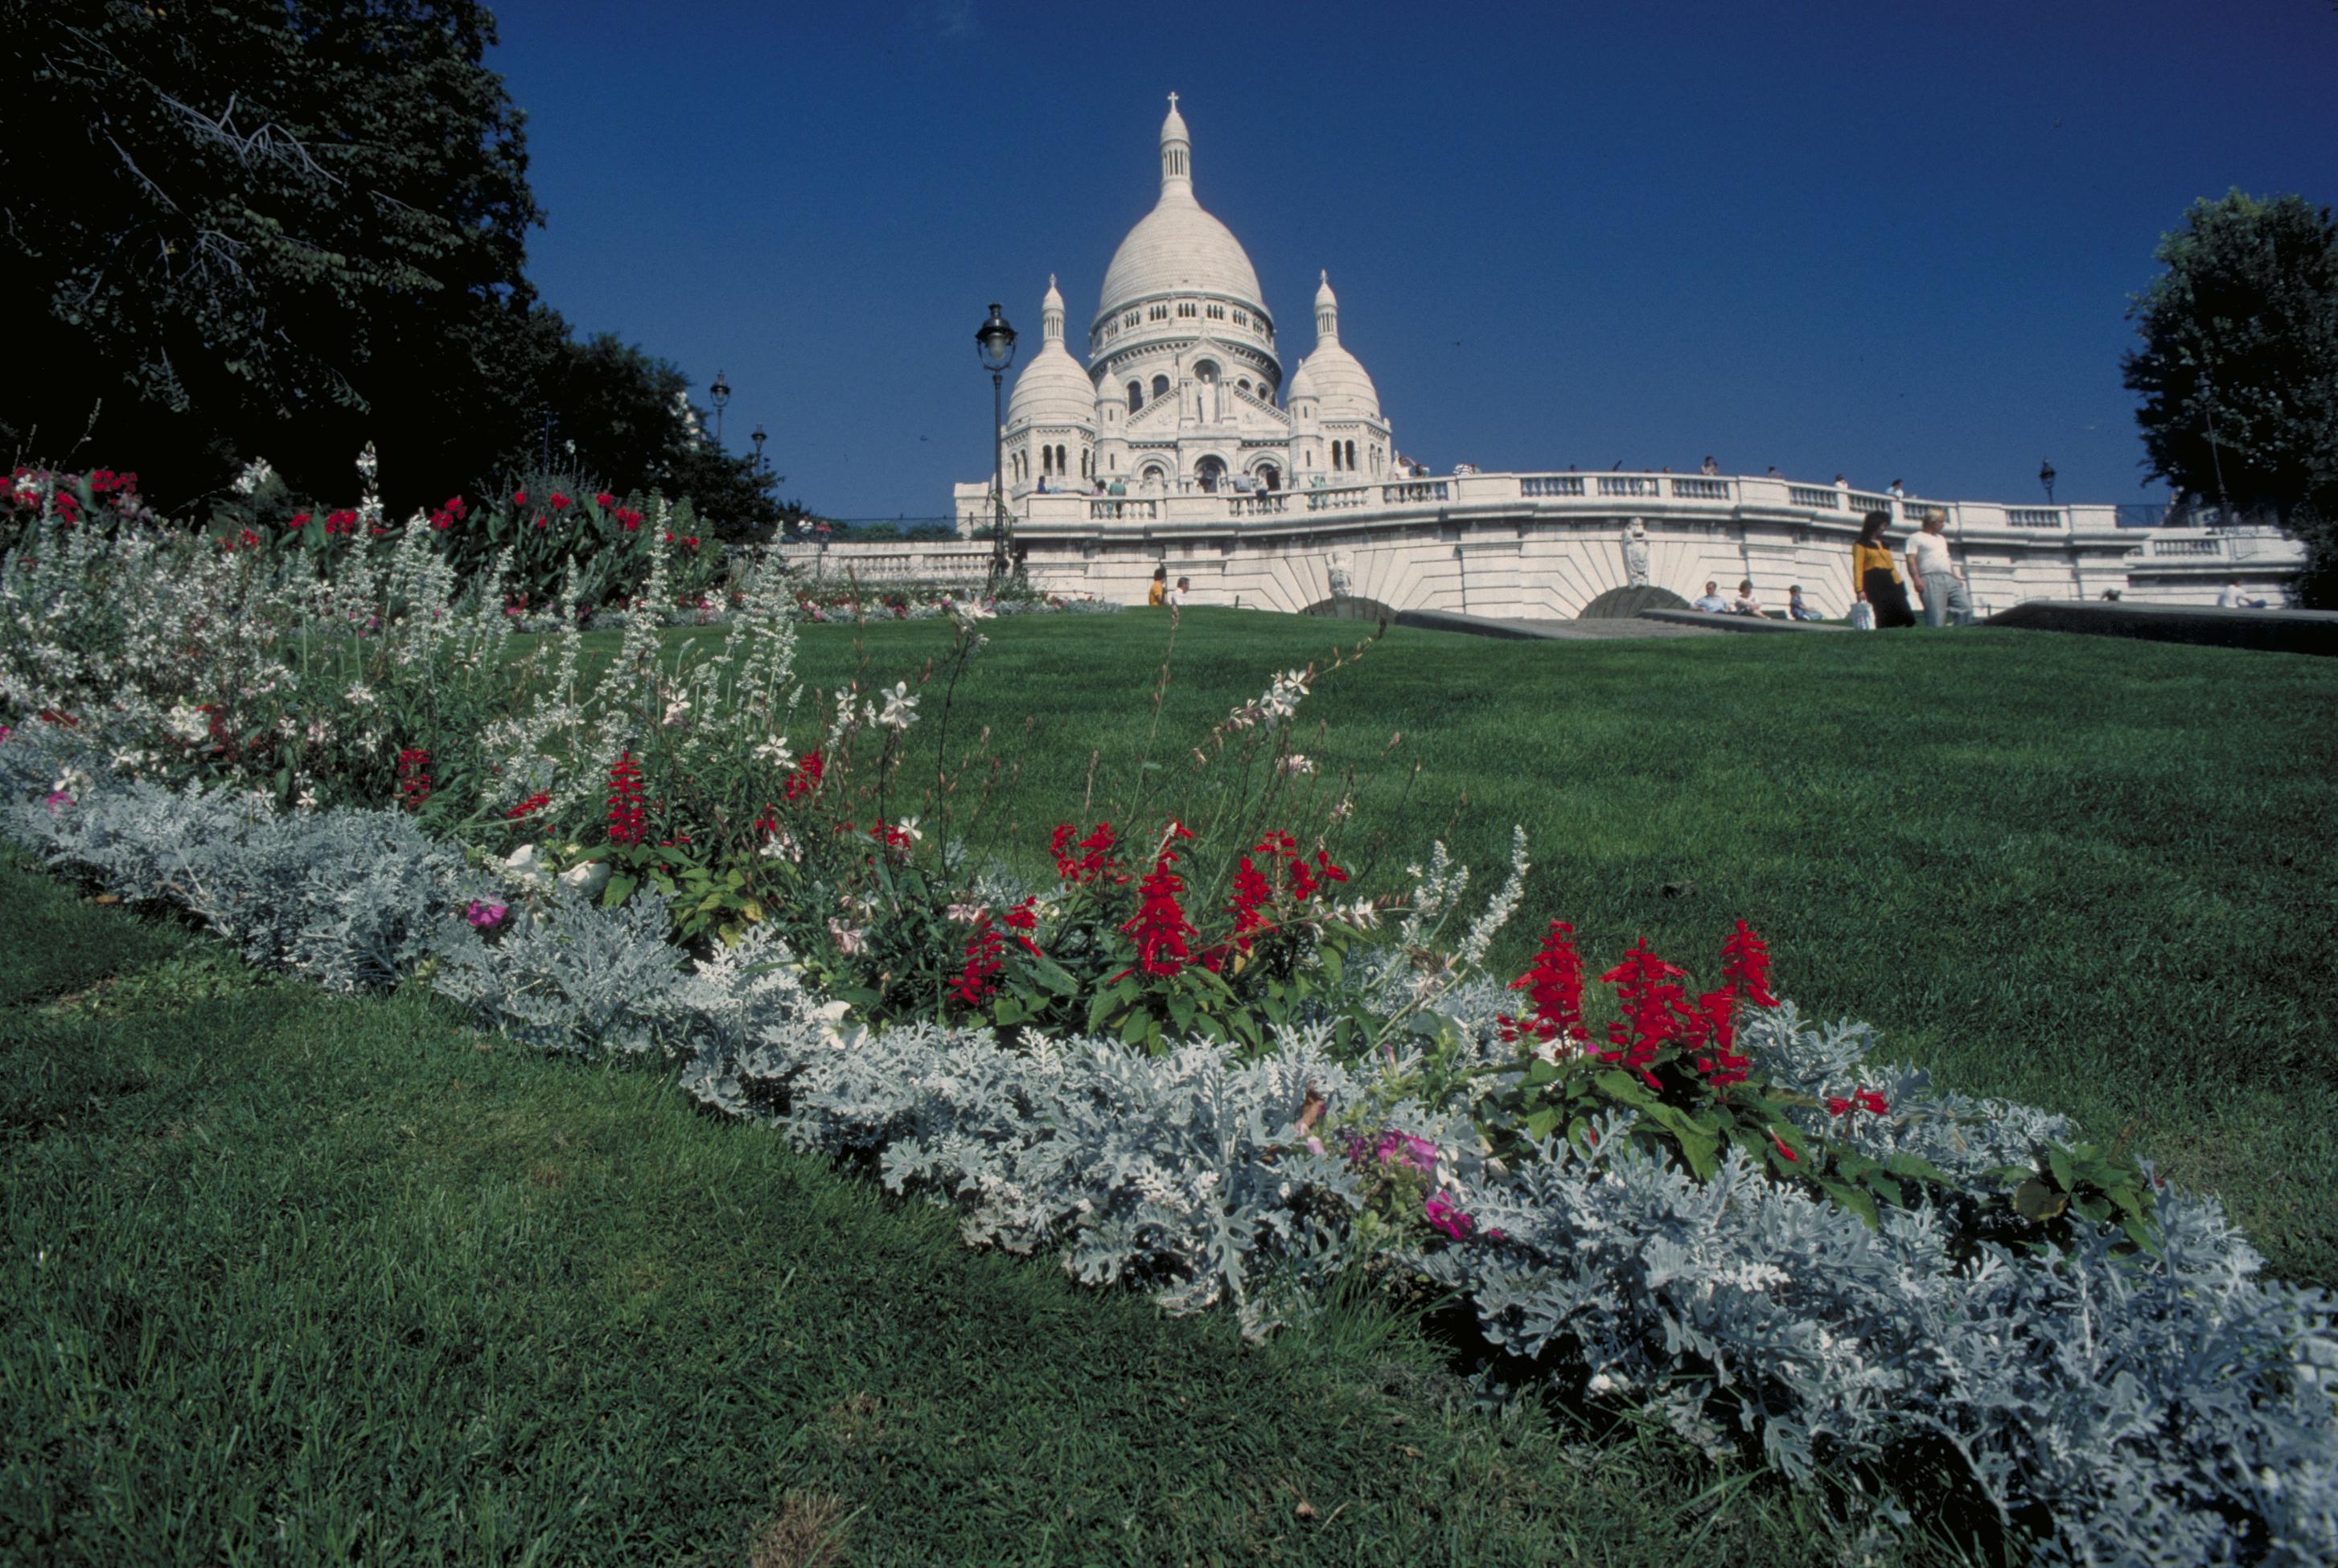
(1182, 392)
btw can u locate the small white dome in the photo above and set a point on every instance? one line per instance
(1333, 378)
(1302, 384)
(1052, 389)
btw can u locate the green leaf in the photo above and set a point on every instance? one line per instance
(1135, 1027)
(1854, 1199)
(1053, 975)
(1885, 1188)
(1009, 1009)
(1540, 1125)
(620, 888)
(2058, 1161)
(2035, 1201)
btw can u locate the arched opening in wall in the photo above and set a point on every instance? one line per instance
(1161, 385)
(1206, 372)
(1335, 456)
(1135, 396)
(1269, 477)
(1211, 474)
(1046, 459)
(1243, 383)
(1063, 461)
(1153, 475)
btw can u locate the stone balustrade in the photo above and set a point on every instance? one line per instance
(1545, 545)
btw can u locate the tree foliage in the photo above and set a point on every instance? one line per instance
(286, 228)
(2240, 334)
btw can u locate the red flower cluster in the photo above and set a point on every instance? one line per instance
(1160, 927)
(688, 543)
(342, 522)
(1656, 1011)
(105, 480)
(1868, 1100)
(559, 502)
(413, 777)
(1024, 920)
(604, 500)
(447, 516)
(979, 978)
(1746, 965)
(536, 802)
(628, 820)
(1553, 981)
(805, 779)
(519, 497)
(243, 539)
(891, 835)
(628, 519)
(1285, 871)
(1093, 863)
(299, 521)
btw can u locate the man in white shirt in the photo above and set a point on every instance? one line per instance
(2230, 598)
(1933, 574)
(1182, 592)
(1713, 604)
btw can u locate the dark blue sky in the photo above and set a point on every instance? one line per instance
(1885, 239)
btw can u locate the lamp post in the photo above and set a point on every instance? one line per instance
(757, 436)
(721, 393)
(994, 341)
(2046, 477)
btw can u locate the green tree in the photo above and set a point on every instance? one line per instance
(262, 226)
(2240, 337)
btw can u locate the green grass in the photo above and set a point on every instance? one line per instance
(292, 1278)
(2094, 875)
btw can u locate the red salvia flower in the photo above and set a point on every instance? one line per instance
(628, 820)
(1872, 1101)
(1160, 927)
(604, 500)
(1789, 1153)
(1094, 859)
(1746, 965)
(979, 978)
(805, 777)
(559, 502)
(412, 775)
(1024, 921)
(519, 497)
(1713, 1043)
(1656, 1011)
(534, 803)
(1836, 1104)
(1253, 893)
(1554, 983)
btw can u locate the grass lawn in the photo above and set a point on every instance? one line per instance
(296, 1279)
(2093, 874)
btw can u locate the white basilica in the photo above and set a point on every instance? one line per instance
(1184, 392)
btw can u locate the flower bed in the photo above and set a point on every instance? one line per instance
(1185, 1061)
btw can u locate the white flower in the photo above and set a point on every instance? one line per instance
(1363, 914)
(1344, 809)
(1298, 762)
(256, 474)
(907, 829)
(307, 800)
(970, 613)
(187, 724)
(775, 752)
(848, 938)
(677, 709)
(967, 914)
(319, 732)
(830, 1018)
(360, 695)
(783, 847)
(900, 708)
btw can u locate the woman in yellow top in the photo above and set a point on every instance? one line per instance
(1875, 576)
(1158, 593)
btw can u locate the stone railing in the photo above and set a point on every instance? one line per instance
(1591, 496)
(942, 561)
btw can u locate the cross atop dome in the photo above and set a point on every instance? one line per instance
(1176, 152)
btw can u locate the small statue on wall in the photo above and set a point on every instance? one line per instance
(1342, 584)
(1636, 554)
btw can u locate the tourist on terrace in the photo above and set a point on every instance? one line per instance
(1875, 576)
(1745, 603)
(1935, 574)
(2230, 599)
(1798, 611)
(1709, 469)
(1713, 604)
(1182, 592)
(1159, 592)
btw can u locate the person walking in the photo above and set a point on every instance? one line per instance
(1158, 594)
(1935, 575)
(1875, 577)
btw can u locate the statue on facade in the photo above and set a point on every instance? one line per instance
(1343, 585)
(1636, 554)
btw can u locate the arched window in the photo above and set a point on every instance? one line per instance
(1206, 371)
(1161, 385)
(1062, 464)
(1243, 383)
(1210, 473)
(1270, 476)
(1136, 396)
(1335, 456)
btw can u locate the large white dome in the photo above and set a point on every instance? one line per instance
(1177, 247)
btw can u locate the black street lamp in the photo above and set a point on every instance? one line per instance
(2046, 477)
(995, 341)
(721, 393)
(757, 436)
